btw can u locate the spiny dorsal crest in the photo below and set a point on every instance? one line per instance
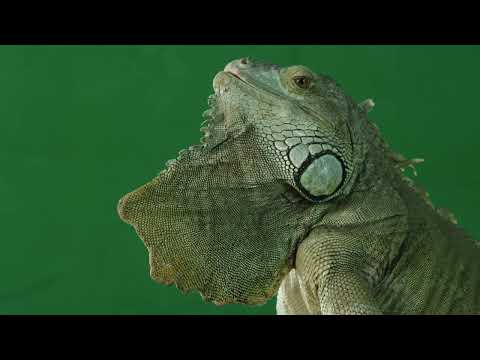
(402, 163)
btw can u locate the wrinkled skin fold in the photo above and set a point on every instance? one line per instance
(216, 223)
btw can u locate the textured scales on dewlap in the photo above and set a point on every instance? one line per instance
(293, 192)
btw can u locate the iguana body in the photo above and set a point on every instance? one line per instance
(294, 191)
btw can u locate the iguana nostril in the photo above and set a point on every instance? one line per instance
(244, 61)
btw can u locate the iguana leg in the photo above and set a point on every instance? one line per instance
(333, 269)
(345, 294)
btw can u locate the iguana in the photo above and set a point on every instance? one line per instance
(292, 191)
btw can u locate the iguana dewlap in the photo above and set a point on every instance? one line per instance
(293, 192)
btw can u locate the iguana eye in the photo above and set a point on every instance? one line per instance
(302, 82)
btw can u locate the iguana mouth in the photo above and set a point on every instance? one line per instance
(235, 74)
(220, 86)
(233, 69)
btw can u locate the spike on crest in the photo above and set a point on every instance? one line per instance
(367, 105)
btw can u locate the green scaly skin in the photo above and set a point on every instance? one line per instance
(293, 192)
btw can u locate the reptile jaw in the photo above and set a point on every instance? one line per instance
(234, 68)
(223, 79)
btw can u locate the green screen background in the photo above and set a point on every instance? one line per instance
(82, 125)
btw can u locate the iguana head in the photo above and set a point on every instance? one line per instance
(226, 216)
(299, 117)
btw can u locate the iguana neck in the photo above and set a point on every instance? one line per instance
(381, 170)
(374, 161)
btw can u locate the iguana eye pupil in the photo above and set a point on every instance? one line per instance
(302, 82)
